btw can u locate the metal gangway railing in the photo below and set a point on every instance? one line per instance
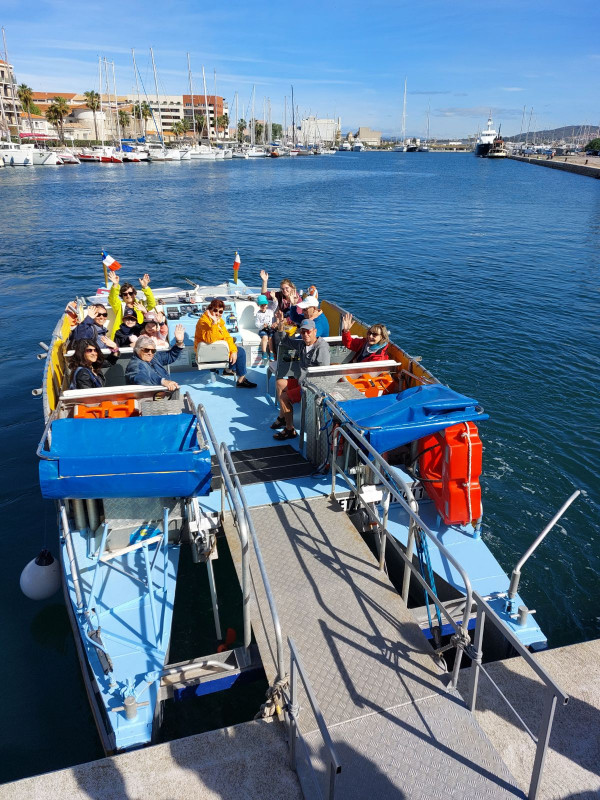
(552, 692)
(232, 493)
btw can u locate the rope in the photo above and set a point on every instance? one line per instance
(275, 701)
(468, 485)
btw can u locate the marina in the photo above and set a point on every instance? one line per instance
(304, 508)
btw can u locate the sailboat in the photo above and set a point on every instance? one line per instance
(401, 148)
(424, 146)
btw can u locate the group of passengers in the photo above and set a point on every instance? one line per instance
(280, 314)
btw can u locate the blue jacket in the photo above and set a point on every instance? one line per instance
(151, 373)
(89, 330)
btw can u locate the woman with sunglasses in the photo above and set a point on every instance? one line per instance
(124, 296)
(211, 328)
(372, 347)
(149, 367)
(87, 363)
(93, 326)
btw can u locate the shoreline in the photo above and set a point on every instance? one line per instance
(579, 165)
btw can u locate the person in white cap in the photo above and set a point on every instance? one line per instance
(263, 319)
(314, 352)
(310, 309)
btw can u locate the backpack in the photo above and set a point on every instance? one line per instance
(73, 384)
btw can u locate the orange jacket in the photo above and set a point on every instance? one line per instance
(209, 332)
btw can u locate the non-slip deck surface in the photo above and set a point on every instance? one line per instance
(394, 723)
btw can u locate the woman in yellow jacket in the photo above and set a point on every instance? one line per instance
(123, 297)
(211, 328)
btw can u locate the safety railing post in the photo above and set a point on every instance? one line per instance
(71, 556)
(150, 592)
(476, 660)
(542, 745)
(383, 532)
(293, 711)
(410, 545)
(165, 546)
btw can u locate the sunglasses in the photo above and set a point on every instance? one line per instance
(90, 349)
(101, 315)
(306, 331)
(217, 310)
(373, 333)
(128, 292)
(148, 349)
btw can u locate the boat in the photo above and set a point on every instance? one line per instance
(485, 140)
(498, 148)
(401, 148)
(127, 518)
(239, 154)
(345, 147)
(256, 152)
(412, 146)
(358, 147)
(67, 157)
(16, 155)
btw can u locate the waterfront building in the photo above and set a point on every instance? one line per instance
(10, 105)
(315, 130)
(217, 107)
(368, 136)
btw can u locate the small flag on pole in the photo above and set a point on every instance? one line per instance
(109, 262)
(236, 266)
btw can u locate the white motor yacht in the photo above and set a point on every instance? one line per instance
(239, 154)
(256, 152)
(16, 155)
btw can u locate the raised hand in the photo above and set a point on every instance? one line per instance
(264, 276)
(112, 275)
(347, 321)
(109, 343)
(144, 281)
(179, 334)
(139, 306)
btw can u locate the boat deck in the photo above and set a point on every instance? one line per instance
(397, 730)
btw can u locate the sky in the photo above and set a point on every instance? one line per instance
(344, 59)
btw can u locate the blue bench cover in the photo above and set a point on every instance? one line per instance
(411, 414)
(125, 457)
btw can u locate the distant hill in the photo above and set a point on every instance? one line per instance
(567, 132)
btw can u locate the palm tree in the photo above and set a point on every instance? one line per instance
(144, 111)
(92, 101)
(223, 122)
(25, 95)
(56, 113)
(240, 130)
(200, 122)
(177, 128)
(124, 119)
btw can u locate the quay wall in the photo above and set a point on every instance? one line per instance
(566, 166)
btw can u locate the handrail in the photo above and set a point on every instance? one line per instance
(261, 564)
(230, 485)
(40, 451)
(292, 710)
(241, 525)
(552, 694)
(516, 573)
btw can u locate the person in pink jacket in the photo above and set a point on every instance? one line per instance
(372, 347)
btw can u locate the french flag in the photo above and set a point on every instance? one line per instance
(109, 262)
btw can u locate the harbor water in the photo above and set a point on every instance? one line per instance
(488, 270)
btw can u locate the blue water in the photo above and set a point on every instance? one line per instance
(490, 271)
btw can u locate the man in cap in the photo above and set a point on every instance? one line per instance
(314, 352)
(310, 309)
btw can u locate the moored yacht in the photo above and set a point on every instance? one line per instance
(498, 148)
(485, 140)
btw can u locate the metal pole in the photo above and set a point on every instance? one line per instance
(213, 597)
(293, 711)
(410, 544)
(516, 575)
(165, 546)
(192, 101)
(97, 566)
(383, 538)
(71, 556)
(92, 511)
(79, 514)
(476, 662)
(542, 747)
(151, 593)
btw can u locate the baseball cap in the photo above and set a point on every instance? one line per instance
(150, 317)
(130, 313)
(308, 325)
(310, 302)
(262, 300)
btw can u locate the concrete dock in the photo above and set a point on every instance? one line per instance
(572, 769)
(581, 165)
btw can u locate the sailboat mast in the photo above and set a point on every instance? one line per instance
(404, 115)
(253, 128)
(108, 100)
(206, 105)
(137, 89)
(192, 96)
(101, 101)
(12, 85)
(293, 120)
(118, 121)
(162, 138)
(285, 133)
(237, 119)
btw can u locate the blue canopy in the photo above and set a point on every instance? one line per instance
(411, 414)
(129, 457)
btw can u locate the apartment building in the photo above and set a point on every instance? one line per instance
(10, 105)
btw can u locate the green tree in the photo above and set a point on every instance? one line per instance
(124, 119)
(200, 123)
(92, 101)
(186, 125)
(223, 122)
(25, 95)
(177, 129)
(258, 130)
(144, 111)
(277, 130)
(241, 127)
(593, 145)
(56, 113)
